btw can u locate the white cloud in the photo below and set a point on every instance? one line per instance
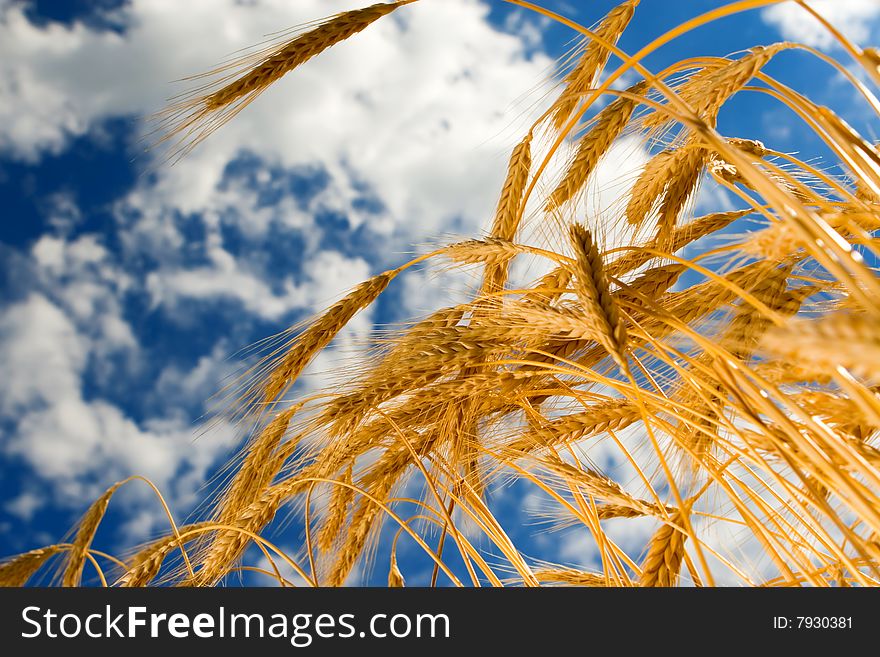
(856, 19)
(81, 445)
(193, 386)
(25, 504)
(41, 352)
(84, 280)
(226, 276)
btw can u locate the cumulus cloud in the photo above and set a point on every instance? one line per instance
(81, 445)
(25, 504)
(857, 19)
(328, 273)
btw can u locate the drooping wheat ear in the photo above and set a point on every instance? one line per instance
(708, 97)
(16, 572)
(414, 411)
(698, 426)
(700, 300)
(591, 286)
(594, 484)
(781, 238)
(395, 577)
(839, 340)
(750, 146)
(258, 468)
(831, 406)
(196, 115)
(776, 372)
(582, 76)
(569, 577)
(814, 489)
(749, 324)
(527, 324)
(662, 564)
(708, 90)
(681, 237)
(740, 338)
(352, 409)
(615, 414)
(320, 333)
(444, 351)
(862, 156)
(870, 59)
(298, 51)
(730, 174)
(490, 250)
(145, 565)
(410, 341)
(865, 193)
(406, 358)
(76, 558)
(610, 124)
(684, 179)
(340, 500)
(640, 510)
(777, 240)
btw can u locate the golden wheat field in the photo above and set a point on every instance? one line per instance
(730, 359)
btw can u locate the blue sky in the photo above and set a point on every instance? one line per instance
(126, 289)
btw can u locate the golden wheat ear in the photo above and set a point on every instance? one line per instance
(77, 555)
(591, 285)
(583, 74)
(192, 117)
(609, 124)
(662, 563)
(16, 572)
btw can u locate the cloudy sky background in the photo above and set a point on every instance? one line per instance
(126, 289)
